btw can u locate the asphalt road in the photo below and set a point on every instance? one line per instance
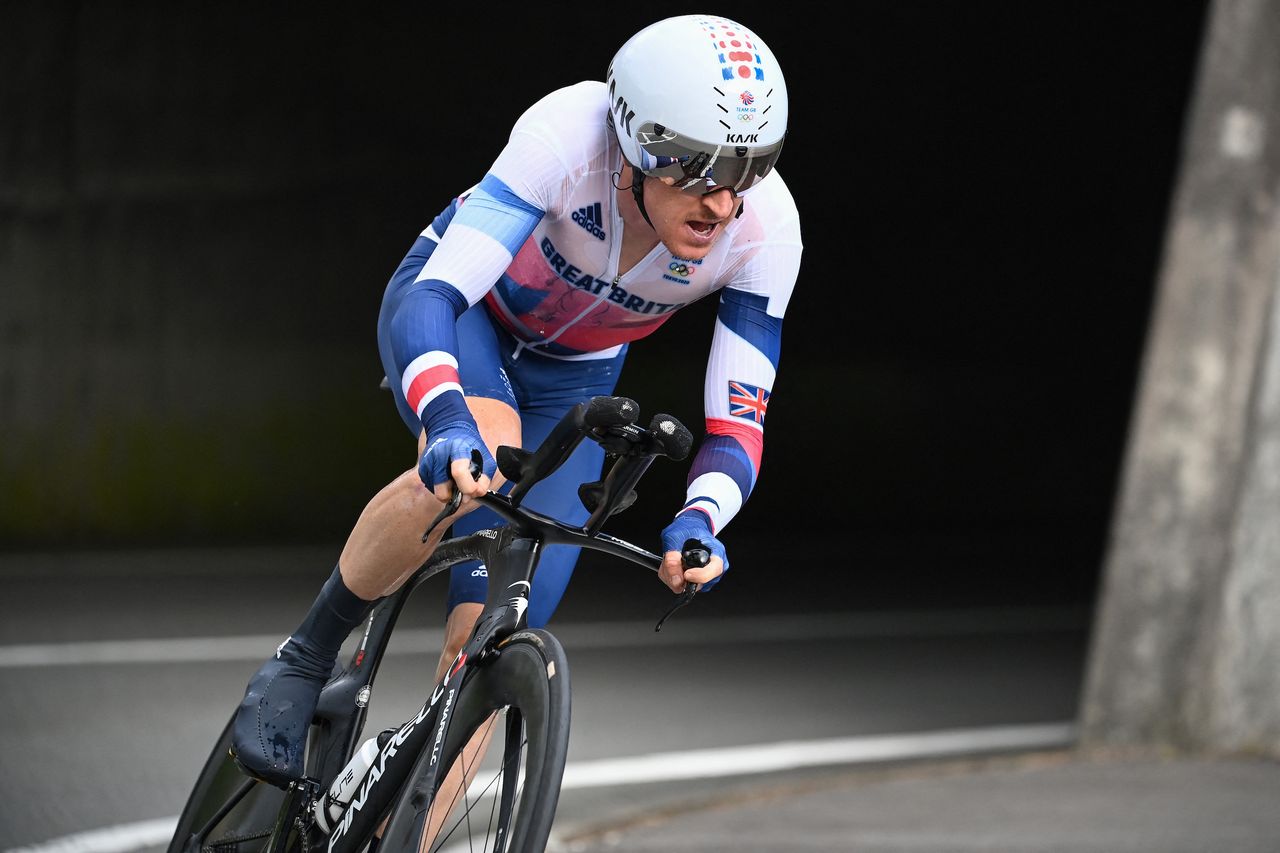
(110, 707)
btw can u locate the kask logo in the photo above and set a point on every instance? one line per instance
(590, 218)
(623, 113)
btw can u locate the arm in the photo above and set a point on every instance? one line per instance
(529, 179)
(740, 377)
(477, 247)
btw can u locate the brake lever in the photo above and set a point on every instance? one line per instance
(690, 590)
(692, 556)
(455, 500)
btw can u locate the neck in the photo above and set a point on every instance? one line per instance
(638, 237)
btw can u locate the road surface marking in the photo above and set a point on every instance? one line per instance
(111, 839)
(670, 766)
(792, 755)
(580, 635)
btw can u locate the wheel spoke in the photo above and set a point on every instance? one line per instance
(522, 777)
(462, 756)
(486, 791)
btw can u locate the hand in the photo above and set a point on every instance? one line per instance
(446, 462)
(691, 525)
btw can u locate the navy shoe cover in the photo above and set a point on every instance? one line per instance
(269, 734)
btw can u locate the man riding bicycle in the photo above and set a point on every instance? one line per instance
(611, 207)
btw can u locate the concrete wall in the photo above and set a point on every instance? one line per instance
(1187, 650)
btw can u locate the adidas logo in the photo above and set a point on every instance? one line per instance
(590, 219)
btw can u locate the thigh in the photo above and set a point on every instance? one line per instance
(557, 496)
(547, 389)
(552, 388)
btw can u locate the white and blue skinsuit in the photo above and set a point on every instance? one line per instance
(513, 293)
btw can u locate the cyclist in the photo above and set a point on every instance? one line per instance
(612, 206)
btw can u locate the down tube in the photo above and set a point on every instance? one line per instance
(384, 778)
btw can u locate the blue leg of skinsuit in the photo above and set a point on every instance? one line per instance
(541, 389)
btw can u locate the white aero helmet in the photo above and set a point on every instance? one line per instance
(700, 99)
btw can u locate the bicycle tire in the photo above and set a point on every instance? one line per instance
(528, 684)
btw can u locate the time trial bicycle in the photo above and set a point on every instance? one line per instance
(509, 685)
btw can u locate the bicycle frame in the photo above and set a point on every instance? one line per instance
(511, 556)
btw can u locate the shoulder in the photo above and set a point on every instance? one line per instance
(769, 221)
(764, 258)
(771, 214)
(571, 121)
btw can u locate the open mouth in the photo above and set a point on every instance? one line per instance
(702, 229)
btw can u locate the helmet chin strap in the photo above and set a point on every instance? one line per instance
(637, 191)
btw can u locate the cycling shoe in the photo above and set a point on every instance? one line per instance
(269, 733)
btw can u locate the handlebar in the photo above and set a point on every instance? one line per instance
(611, 423)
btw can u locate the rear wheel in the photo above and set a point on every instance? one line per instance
(228, 812)
(517, 705)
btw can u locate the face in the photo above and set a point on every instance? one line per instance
(688, 222)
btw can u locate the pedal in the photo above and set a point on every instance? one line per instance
(592, 494)
(512, 462)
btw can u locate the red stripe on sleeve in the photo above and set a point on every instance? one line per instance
(428, 379)
(751, 438)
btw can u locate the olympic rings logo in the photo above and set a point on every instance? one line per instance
(682, 270)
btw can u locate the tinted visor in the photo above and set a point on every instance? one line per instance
(740, 166)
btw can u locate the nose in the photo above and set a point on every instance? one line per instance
(719, 203)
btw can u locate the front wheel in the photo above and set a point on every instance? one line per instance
(508, 741)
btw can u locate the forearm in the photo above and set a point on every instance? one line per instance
(723, 473)
(425, 346)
